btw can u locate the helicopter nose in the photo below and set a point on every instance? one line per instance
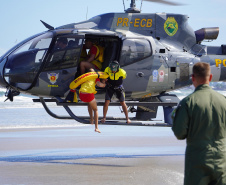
(3, 83)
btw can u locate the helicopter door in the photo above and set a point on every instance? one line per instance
(61, 66)
(135, 60)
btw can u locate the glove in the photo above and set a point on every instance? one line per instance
(72, 96)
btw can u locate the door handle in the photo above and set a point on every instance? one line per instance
(140, 74)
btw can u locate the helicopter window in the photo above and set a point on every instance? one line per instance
(23, 48)
(65, 54)
(41, 42)
(134, 50)
(24, 63)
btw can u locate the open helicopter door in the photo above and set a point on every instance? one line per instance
(135, 59)
(62, 62)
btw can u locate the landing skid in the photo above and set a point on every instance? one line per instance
(110, 120)
(72, 115)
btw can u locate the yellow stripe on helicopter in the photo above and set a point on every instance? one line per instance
(87, 76)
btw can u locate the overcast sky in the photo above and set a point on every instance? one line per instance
(21, 18)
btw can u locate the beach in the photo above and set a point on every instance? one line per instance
(78, 155)
(36, 149)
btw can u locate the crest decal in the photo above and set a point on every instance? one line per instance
(155, 75)
(53, 77)
(161, 76)
(171, 26)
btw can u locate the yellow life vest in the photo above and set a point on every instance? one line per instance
(99, 57)
(117, 75)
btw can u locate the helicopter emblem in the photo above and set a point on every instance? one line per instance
(171, 26)
(53, 77)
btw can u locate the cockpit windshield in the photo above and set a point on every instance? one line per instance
(24, 63)
(65, 53)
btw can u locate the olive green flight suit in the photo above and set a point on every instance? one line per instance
(201, 119)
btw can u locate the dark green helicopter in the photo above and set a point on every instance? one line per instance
(157, 51)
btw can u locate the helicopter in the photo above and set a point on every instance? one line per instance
(157, 50)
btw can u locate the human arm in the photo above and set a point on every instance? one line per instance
(181, 121)
(91, 58)
(92, 54)
(123, 73)
(100, 84)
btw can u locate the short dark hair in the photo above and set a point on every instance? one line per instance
(201, 69)
(63, 40)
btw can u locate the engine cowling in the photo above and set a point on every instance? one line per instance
(207, 34)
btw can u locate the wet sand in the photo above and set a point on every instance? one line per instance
(122, 155)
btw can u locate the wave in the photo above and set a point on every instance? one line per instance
(2, 92)
(25, 101)
(43, 126)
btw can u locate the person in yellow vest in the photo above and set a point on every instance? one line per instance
(94, 58)
(86, 94)
(114, 86)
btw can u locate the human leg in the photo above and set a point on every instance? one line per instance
(90, 113)
(108, 96)
(93, 105)
(121, 96)
(124, 108)
(105, 110)
(85, 66)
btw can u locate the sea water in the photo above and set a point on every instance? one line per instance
(24, 113)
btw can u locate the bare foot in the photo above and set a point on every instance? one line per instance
(97, 130)
(128, 121)
(91, 121)
(103, 120)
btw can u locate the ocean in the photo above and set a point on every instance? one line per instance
(24, 113)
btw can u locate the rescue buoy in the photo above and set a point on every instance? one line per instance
(87, 76)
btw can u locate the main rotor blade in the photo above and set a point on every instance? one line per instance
(165, 2)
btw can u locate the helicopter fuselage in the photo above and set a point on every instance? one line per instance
(156, 50)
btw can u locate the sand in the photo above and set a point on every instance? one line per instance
(119, 155)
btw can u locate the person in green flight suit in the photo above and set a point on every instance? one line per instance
(200, 118)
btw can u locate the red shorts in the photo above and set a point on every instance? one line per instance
(86, 97)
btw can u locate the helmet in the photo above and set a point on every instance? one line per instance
(114, 66)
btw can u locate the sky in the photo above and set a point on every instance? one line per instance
(20, 19)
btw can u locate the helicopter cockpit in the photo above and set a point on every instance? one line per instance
(42, 54)
(24, 63)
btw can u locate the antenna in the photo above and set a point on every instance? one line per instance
(141, 5)
(86, 12)
(124, 5)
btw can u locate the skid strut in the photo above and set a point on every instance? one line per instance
(111, 120)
